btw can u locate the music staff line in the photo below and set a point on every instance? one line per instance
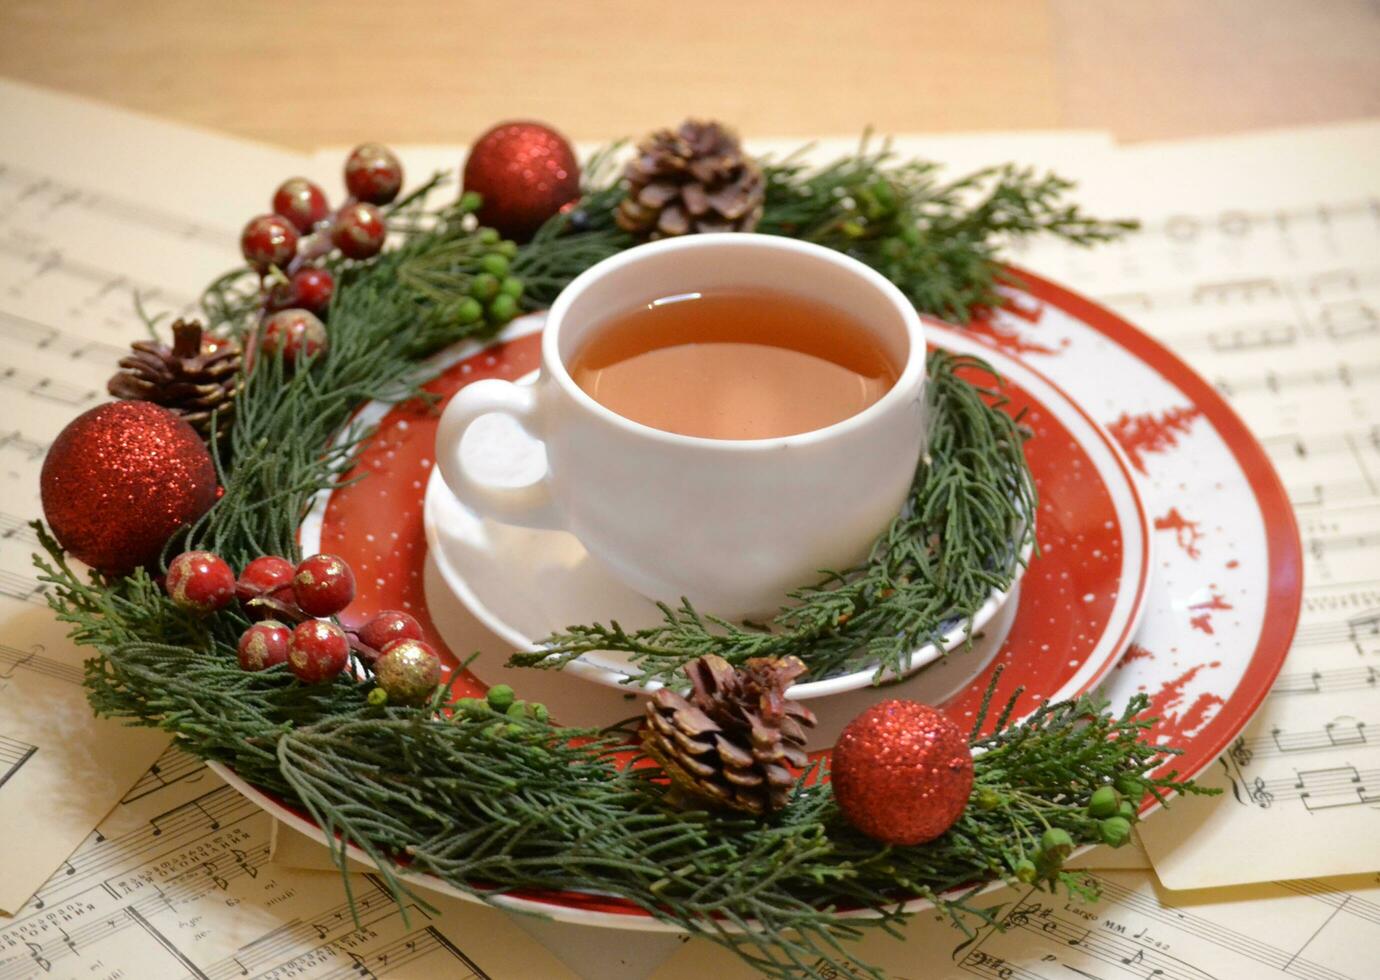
(63, 194)
(1326, 681)
(48, 388)
(46, 260)
(13, 754)
(171, 768)
(96, 860)
(196, 881)
(13, 659)
(1316, 789)
(32, 333)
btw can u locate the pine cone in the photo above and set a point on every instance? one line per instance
(196, 376)
(730, 741)
(692, 180)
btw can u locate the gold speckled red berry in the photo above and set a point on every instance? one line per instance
(265, 576)
(373, 174)
(319, 651)
(301, 202)
(359, 231)
(388, 627)
(269, 239)
(200, 581)
(323, 585)
(297, 333)
(264, 645)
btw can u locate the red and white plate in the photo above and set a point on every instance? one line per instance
(1216, 609)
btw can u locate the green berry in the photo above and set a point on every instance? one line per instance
(1115, 831)
(507, 249)
(501, 697)
(487, 236)
(987, 798)
(510, 286)
(1129, 785)
(468, 310)
(1056, 845)
(484, 286)
(472, 707)
(1103, 802)
(540, 713)
(471, 201)
(511, 731)
(518, 709)
(1127, 809)
(1026, 871)
(494, 264)
(378, 697)
(503, 308)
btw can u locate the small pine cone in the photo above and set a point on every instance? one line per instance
(197, 375)
(730, 742)
(695, 179)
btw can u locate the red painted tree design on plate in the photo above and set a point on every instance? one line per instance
(1205, 609)
(1007, 337)
(1134, 652)
(1187, 533)
(1180, 722)
(1151, 433)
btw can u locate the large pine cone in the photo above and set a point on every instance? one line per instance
(692, 180)
(730, 742)
(199, 374)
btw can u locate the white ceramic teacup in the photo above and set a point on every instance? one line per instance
(731, 525)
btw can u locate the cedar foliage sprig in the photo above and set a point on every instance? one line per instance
(958, 539)
(492, 805)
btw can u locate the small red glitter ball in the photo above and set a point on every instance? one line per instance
(318, 652)
(269, 239)
(298, 333)
(301, 202)
(121, 479)
(359, 231)
(526, 172)
(902, 772)
(312, 290)
(388, 627)
(324, 585)
(200, 581)
(270, 576)
(373, 174)
(264, 645)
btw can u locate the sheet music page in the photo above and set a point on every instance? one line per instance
(1260, 265)
(95, 205)
(1317, 930)
(176, 882)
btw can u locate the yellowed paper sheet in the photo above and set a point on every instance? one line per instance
(1260, 265)
(95, 206)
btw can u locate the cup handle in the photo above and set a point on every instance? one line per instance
(526, 506)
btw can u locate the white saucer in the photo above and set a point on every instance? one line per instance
(525, 584)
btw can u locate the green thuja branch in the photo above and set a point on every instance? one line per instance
(493, 804)
(959, 538)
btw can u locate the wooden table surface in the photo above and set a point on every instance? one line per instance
(308, 73)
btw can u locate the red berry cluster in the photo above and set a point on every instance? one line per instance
(288, 601)
(287, 246)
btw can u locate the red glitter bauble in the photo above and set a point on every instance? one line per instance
(902, 772)
(525, 172)
(121, 479)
